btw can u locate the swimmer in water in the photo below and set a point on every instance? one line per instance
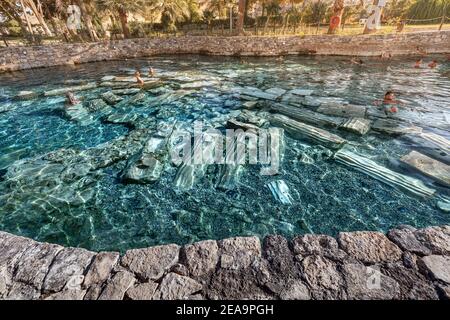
(386, 55)
(71, 99)
(139, 80)
(432, 64)
(390, 103)
(418, 64)
(357, 61)
(151, 72)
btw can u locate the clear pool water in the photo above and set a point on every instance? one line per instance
(327, 197)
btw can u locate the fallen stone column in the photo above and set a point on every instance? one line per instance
(383, 174)
(303, 131)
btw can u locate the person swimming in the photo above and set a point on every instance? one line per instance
(389, 102)
(139, 80)
(386, 55)
(151, 72)
(418, 64)
(357, 61)
(71, 99)
(432, 64)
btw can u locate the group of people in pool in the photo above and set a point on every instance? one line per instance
(390, 103)
(431, 65)
(139, 80)
(71, 100)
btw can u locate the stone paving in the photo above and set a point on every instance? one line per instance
(407, 263)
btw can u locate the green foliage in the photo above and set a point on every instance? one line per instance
(428, 9)
(208, 16)
(397, 10)
(273, 8)
(126, 5)
(316, 11)
(12, 27)
(174, 11)
(295, 16)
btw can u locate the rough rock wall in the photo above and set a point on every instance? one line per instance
(406, 263)
(19, 58)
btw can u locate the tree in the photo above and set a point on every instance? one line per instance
(397, 10)
(217, 7)
(335, 21)
(86, 7)
(241, 16)
(272, 9)
(315, 11)
(123, 8)
(429, 9)
(173, 11)
(39, 16)
(351, 11)
(25, 14)
(14, 11)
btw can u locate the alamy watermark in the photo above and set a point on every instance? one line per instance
(373, 278)
(73, 17)
(235, 147)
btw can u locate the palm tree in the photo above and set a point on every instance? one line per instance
(172, 11)
(217, 6)
(123, 8)
(429, 9)
(86, 8)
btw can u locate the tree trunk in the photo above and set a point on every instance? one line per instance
(3, 37)
(285, 23)
(240, 20)
(87, 18)
(54, 24)
(124, 22)
(247, 4)
(335, 21)
(25, 14)
(40, 17)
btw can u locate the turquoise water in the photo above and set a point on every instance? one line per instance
(326, 197)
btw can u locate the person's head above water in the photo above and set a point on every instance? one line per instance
(389, 95)
(70, 95)
(71, 98)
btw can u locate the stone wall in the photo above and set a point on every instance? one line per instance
(19, 58)
(406, 263)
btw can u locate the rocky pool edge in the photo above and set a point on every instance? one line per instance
(414, 43)
(406, 263)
